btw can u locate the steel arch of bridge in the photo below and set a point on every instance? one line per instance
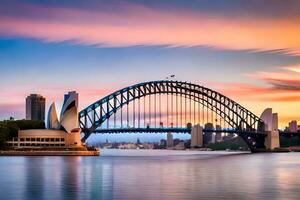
(238, 117)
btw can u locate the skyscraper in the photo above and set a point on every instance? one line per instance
(208, 137)
(197, 136)
(35, 107)
(219, 134)
(170, 142)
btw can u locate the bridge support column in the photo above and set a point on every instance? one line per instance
(272, 140)
(197, 136)
(271, 128)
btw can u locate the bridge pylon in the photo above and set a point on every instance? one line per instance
(271, 128)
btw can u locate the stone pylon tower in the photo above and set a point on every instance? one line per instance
(271, 127)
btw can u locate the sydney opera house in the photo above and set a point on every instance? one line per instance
(60, 133)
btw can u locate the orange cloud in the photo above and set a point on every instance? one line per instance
(136, 24)
(289, 98)
(250, 92)
(257, 98)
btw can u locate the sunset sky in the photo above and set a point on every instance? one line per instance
(247, 50)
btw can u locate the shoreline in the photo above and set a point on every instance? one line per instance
(49, 153)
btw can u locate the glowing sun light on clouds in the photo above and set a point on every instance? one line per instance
(293, 68)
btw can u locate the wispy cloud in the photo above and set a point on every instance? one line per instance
(286, 78)
(293, 68)
(130, 24)
(282, 85)
(282, 98)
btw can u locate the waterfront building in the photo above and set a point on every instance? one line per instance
(179, 146)
(163, 143)
(146, 145)
(213, 138)
(35, 107)
(64, 134)
(128, 146)
(208, 137)
(170, 142)
(176, 141)
(293, 126)
(197, 136)
(218, 134)
(45, 138)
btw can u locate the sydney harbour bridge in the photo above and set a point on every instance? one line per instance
(171, 106)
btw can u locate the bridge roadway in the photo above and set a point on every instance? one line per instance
(166, 130)
(184, 130)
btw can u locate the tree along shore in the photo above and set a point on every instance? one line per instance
(10, 128)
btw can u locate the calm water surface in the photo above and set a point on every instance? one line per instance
(152, 174)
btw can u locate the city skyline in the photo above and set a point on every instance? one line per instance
(230, 47)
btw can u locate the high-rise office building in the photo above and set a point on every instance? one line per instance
(218, 134)
(208, 137)
(197, 136)
(35, 107)
(170, 142)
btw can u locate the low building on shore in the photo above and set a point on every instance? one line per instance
(44, 138)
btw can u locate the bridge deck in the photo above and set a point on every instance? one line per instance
(166, 130)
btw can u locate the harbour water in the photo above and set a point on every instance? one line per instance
(152, 174)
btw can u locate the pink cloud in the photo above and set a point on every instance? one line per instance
(134, 24)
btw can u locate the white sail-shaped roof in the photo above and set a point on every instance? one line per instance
(69, 112)
(52, 121)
